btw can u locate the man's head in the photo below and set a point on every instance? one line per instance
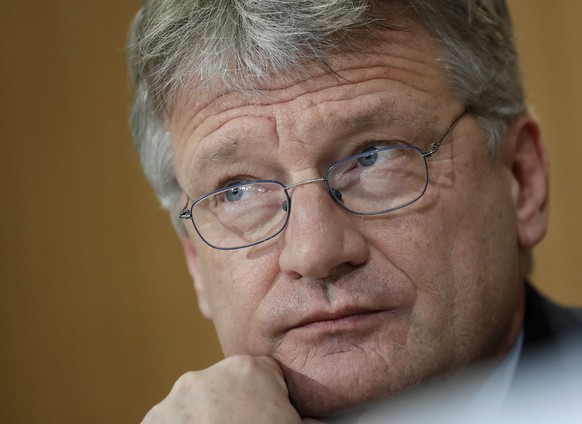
(353, 307)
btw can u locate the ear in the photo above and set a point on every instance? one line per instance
(528, 162)
(194, 270)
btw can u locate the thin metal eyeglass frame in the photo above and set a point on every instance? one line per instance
(186, 213)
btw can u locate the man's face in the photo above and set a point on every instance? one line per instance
(356, 308)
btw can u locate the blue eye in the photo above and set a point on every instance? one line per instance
(237, 192)
(368, 160)
(234, 194)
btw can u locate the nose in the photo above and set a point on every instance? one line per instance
(320, 236)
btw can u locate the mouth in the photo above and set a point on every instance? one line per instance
(347, 319)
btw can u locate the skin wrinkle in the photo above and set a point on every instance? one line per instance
(337, 284)
(450, 143)
(337, 352)
(202, 106)
(379, 114)
(304, 355)
(321, 73)
(216, 156)
(227, 151)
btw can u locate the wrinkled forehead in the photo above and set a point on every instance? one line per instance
(410, 43)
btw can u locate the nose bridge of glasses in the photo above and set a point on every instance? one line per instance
(291, 187)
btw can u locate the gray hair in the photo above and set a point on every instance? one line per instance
(239, 43)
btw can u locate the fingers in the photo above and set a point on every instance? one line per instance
(239, 389)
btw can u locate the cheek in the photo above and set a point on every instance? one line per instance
(457, 248)
(419, 246)
(479, 274)
(236, 284)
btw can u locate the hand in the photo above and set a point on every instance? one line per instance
(238, 389)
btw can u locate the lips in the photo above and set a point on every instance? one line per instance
(346, 317)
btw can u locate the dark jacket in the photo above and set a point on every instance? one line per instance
(548, 381)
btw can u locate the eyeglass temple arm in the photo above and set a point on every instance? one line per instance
(435, 146)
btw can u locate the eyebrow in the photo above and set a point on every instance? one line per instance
(375, 115)
(228, 148)
(230, 145)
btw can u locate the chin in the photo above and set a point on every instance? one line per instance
(345, 381)
(314, 399)
(342, 387)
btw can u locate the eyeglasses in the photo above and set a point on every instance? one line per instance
(377, 181)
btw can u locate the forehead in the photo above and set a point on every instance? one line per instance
(400, 74)
(411, 42)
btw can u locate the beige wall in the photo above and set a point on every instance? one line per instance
(97, 314)
(549, 35)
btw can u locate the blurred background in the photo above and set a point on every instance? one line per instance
(97, 313)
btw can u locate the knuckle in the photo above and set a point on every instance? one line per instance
(185, 382)
(260, 368)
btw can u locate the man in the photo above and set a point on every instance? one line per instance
(357, 186)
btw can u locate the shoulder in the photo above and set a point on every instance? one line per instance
(547, 322)
(552, 343)
(546, 384)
